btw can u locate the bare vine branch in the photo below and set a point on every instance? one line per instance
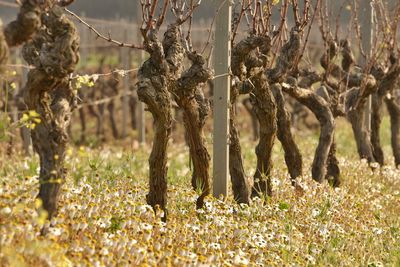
(100, 35)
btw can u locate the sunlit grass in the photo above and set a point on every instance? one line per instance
(103, 219)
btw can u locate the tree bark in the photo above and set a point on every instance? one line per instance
(356, 118)
(265, 108)
(190, 98)
(321, 110)
(386, 84)
(254, 122)
(293, 156)
(54, 52)
(240, 183)
(376, 121)
(333, 170)
(153, 91)
(243, 66)
(394, 113)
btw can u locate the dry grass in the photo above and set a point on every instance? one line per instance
(103, 220)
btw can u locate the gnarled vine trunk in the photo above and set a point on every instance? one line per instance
(376, 120)
(321, 110)
(190, 98)
(293, 156)
(54, 53)
(153, 91)
(394, 113)
(240, 183)
(386, 83)
(356, 102)
(265, 109)
(243, 66)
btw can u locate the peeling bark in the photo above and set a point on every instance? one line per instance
(266, 109)
(287, 56)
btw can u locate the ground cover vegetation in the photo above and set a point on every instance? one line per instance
(318, 197)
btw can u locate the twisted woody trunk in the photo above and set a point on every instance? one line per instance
(158, 77)
(190, 98)
(153, 91)
(54, 53)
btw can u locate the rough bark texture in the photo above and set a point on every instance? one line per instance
(333, 170)
(321, 110)
(243, 66)
(54, 53)
(265, 109)
(240, 183)
(190, 98)
(158, 77)
(23, 28)
(386, 84)
(355, 110)
(376, 120)
(27, 23)
(254, 122)
(153, 91)
(293, 156)
(394, 113)
(287, 57)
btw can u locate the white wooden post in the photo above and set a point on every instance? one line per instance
(221, 98)
(141, 121)
(367, 23)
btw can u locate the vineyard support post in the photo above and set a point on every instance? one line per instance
(367, 23)
(221, 98)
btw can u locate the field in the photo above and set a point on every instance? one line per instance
(103, 219)
(107, 126)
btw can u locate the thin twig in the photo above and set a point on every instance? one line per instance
(101, 36)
